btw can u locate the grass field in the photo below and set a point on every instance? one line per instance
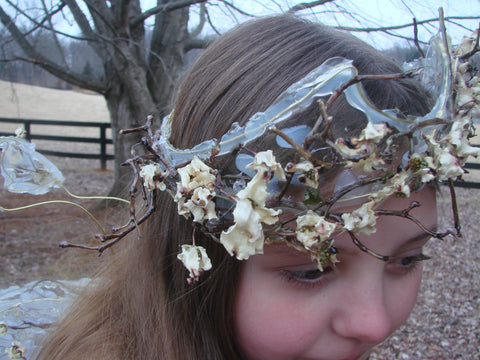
(34, 102)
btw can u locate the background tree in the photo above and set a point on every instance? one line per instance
(135, 70)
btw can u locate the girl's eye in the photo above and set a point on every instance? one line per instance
(309, 277)
(408, 263)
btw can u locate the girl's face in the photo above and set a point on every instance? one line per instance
(287, 310)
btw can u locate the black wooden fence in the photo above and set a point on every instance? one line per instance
(101, 139)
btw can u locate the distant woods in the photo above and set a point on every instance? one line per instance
(80, 58)
(77, 54)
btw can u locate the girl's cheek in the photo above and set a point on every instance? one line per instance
(272, 332)
(271, 320)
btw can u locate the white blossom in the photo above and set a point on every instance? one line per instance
(265, 161)
(365, 144)
(194, 175)
(152, 175)
(20, 133)
(17, 351)
(3, 328)
(196, 260)
(245, 237)
(200, 205)
(195, 191)
(313, 229)
(458, 137)
(368, 164)
(374, 132)
(361, 220)
(310, 174)
(446, 165)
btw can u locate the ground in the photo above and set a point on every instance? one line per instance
(29, 239)
(443, 325)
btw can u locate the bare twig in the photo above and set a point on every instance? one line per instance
(305, 154)
(359, 78)
(368, 250)
(307, 5)
(170, 6)
(415, 35)
(456, 217)
(405, 213)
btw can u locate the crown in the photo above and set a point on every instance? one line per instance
(251, 203)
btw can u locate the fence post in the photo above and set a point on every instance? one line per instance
(103, 147)
(26, 127)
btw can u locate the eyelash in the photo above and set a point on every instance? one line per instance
(408, 264)
(301, 278)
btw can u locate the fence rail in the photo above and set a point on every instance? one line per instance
(101, 139)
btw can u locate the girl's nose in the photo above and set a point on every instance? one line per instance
(363, 314)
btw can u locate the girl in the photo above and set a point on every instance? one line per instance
(283, 303)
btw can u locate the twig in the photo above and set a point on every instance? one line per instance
(359, 78)
(305, 154)
(456, 217)
(415, 34)
(368, 250)
(405, 213)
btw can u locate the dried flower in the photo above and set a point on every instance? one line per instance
(3, 328)
(201, 205)
(361, 220)
(17, 351)
(446, 165)
(421, 166)
(196, 260)
(313, 229)
(195, 191)
(368, 164)
(245, 237)
(21, 133)
(366, 143)
(153, 175)
(265, 161)
(374, 132)
(196, 174)
(458, 137)
(310, 175)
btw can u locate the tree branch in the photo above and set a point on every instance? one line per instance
(403, 26)
(307, 5)
(35, 57)
(164, 8)
(196, 44)
(62, 73)
(210, 22)
(48, 16)
(195, 32)
(230, 5)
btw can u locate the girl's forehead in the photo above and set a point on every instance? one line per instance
(393, 233)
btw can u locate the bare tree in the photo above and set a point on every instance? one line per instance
(137, 80)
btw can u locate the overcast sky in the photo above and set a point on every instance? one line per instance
(369, 12)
